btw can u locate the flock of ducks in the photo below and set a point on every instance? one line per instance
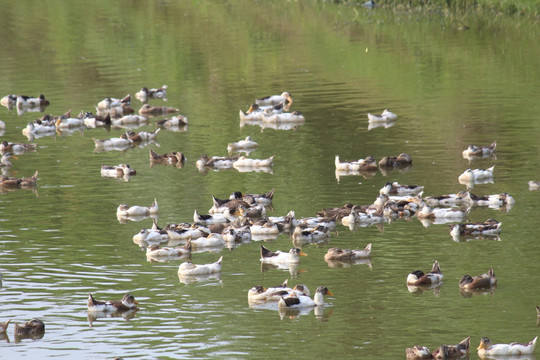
(242, 217)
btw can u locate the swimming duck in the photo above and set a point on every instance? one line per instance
(418, 352)
(109, 103)
(175, 121)
(30, 102)
(495, 200)
(127, 303)
(9, 101)
(117, 111)
(207, 219)
(247, 143)
(67, 122)
(385, 116)
(474, 151)
(305, 301)
(243, 161)
(148, 109)
(172, 158)
(5, 160)
(185, 231)
(476, 174)
(453, 351)
(401, 160)
(117, 142)
(457, 199)
(16, 148)
(367, 164)
(154, 250)
(39, 128)
(280, 257)
(484, 281)
(394, 188)
(219, 162)
(265, 227)
(34, 329)
(534, 185)
(347, 254)
(486, 348)
(260, 294)
(92, 121)
(190, 269)
(292, 117)
(418, 277)
(126, 210)
(212, 240)
(144, 94)
(129, 120)
(452, 214)
(488, 227)
(13, 182)
(303, 235)
(117, 170)
(151, 236)
(285, 97)
(141, 137)
(221, 205)
(254, 199)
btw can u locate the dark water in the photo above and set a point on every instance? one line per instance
(449, 88)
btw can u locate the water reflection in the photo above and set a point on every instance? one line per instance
(95, 315)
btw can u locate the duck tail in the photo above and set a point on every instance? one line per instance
(491, 168)
(490, 271)
(465, 343)
(436, 268)
(220, 260)
(153, 155)
(493, 145)
(368, 248)
(91, 300)
(270, 194)
(265, 252)
(4, 326)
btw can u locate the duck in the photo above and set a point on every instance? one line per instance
(190, 269)
(476, 174)
(154, 250)
(285, 117)
(126, 210)
(141, 137)
(116, 142)
(9, 101)
(38, 127)
(534, 185)
(117, 170)
(129, 119)
(109, 103)
(385, 116)
(13, 182)
(502, 199)
(484, 281)
(16, 148)
(418, 352)
(453, 351)
(451, 214)
(117, 111)
(302, 301)
(486, 348)
(394, 188)
(217, 218)
(280, 257)
(175, 121)
(418, 277)
(219, 162)
(260, 294)
(401, 160)
(302, 235)
(457, 199)
(172, 158)
(474, 151)
(367, 164)
(488, 227)
(144, 94)
(148, 109)
(4, 326)
(265, 227)
(151, 236)
(243, 161)
(221, 205)
(240, 145)
(185, 231)
(285, 97)
(5, 160)
(212, 240)
(254, 199)
(67, 122)
(34, 329)
(92, 121)
(24, 101)
(347, 254)
(127, 303)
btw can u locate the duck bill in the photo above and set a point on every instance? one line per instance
(302, 253)
(330, 293)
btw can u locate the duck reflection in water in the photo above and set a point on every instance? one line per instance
(420, 289)
(126, 315)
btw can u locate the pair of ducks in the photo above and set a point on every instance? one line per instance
(286, 297)
(33, 329)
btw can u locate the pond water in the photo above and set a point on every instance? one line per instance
(450, 88)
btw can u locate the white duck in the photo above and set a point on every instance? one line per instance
(301, 301)
(190, 269)
(126, 210)
(486, 348)
(280, 257)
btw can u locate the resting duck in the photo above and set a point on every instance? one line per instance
(148, 109)
(488, 227)
(126, 210)
(274, 294)
(183, 232)
(474, 151)
(190, 269)
(292, 117)
(219, 162)
(401, 190)
(302, 235)
(212, 240)
(285, 97)
(172, 158)
(34, 329)
(175, 121)
(476, 174)
(9, 101)
(247, 143)
(254, 199)
(280, 257)
(67, 122)
(243, 161)
(453, 351)
(486, 348)
(418, 277)
(418, 352)
(452, 214)
(534, 185)
(154, 250)
(13, 182)
(484, 281)
(221, 205)
(367, 164)
(151, 236)
(30, 102)
(502, 199)
(346, 254)
(109, 103)
(401, 160)
(385, 116)
(5, 160)
(127, 303)
(117, 170)
(217, 218)
(130, 120)
(16, 148)
(264, 227)
(457, 199)
(302, 301)
(112, 143)
(92, 121)
(144, 94)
